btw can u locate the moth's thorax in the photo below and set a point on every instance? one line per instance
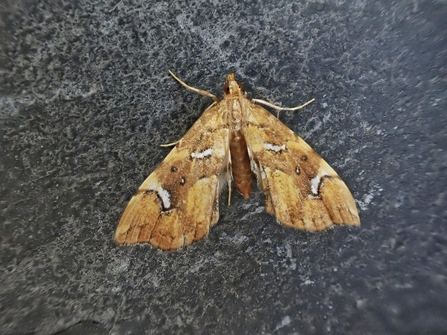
(234, 102)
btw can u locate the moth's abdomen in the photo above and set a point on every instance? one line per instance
(240, 164)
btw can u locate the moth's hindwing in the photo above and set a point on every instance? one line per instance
(178, 202)
(300, 188)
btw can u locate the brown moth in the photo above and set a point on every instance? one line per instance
(234, 138)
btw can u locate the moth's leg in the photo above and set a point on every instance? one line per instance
(195, 90)
(229, 191)
(169, 144)
(279, 108)
(229, 172)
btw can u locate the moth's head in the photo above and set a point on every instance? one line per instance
(232, 87)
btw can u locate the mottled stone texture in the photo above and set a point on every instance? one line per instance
(86, 99)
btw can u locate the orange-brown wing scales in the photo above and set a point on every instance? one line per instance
(136, 227)
(178, 202)
(199, 208)
(300, 188)
(339, 201)
(291, 206)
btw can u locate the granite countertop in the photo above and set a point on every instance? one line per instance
(86, 100)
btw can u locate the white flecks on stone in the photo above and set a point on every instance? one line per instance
(163, 194)
(202, 154)
(275, 148)
(308, 282)
(286, 320)
(314, 183)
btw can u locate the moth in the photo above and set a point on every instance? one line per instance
(233, 139)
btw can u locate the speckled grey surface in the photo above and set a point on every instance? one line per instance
(85, 101)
